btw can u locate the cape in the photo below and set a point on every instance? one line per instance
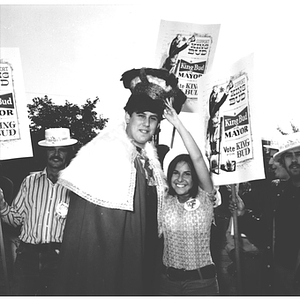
(103, 170)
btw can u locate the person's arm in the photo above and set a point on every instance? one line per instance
(3, 204)
(198, 161)
(12, 214)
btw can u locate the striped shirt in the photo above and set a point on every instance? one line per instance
(36, 209)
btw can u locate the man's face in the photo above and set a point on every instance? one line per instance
(291, 161)
(141, 126)
(278, 171)
(56, 157)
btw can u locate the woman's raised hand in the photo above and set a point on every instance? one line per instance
(170, 113)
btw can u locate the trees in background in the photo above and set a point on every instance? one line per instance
(83, 121)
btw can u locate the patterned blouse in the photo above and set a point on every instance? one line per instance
(186, 231)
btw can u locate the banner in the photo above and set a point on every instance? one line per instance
(233, 145)
(15, 141)
(187, 50)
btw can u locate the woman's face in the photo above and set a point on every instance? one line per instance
(181, 180)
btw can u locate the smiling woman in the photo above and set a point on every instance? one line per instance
(182, 181)
(183, 178)
(187, 215)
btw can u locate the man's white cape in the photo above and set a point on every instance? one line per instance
(103, 170)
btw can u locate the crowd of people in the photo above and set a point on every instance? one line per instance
(117, 219)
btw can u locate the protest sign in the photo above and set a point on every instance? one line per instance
(15, 140)
(232, 139)
(187, 50)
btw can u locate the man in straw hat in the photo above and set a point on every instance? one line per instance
(278, 226)
(274, 170)
(118, 187)
(40, 209)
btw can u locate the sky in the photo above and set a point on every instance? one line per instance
(73, 51)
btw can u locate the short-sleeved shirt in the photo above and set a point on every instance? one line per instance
(187, 233)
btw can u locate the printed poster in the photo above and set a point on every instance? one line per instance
(187, 50)
(15, 140)
(233, 145)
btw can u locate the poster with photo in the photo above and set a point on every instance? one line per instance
(233, 145)
(15, 140)
(187, 50)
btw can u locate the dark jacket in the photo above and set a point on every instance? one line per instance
(274, 227)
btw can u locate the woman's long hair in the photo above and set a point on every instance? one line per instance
(187, 159)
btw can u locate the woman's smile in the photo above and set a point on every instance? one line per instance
(182, 179)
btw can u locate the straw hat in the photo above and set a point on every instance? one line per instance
(57, 137)
(274, 144)
(288, 142)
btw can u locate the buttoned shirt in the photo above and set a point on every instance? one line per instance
(40, 209)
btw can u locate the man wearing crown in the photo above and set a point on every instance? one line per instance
(40, 209)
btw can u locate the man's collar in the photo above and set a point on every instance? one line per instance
(39, 174)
